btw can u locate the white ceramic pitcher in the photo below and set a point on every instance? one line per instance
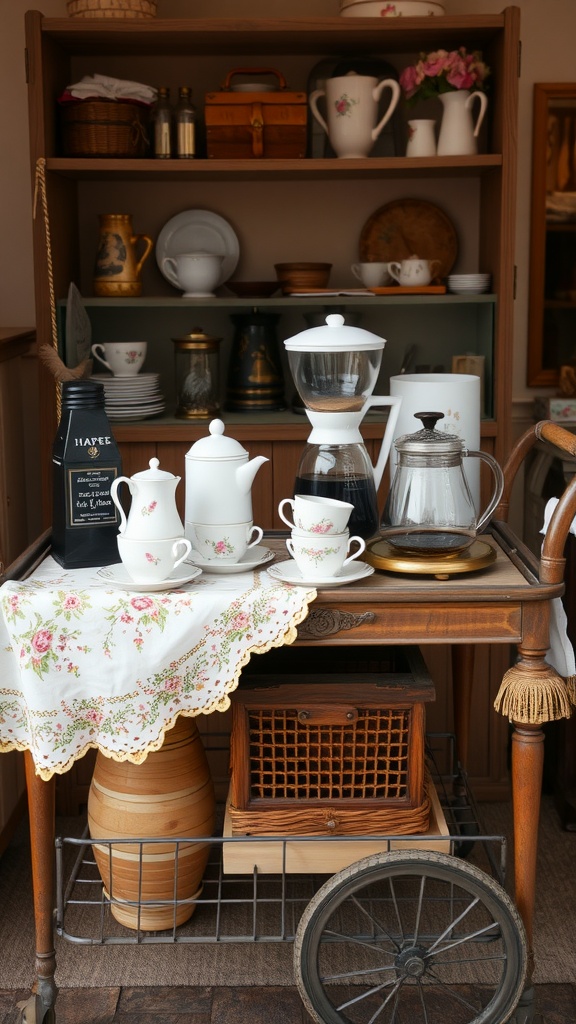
(458, 131)
(352, 111)
(153, 513)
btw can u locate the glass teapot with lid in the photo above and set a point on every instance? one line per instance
(430, 510)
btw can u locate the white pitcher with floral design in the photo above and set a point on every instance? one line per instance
(153, 514)
(352, 111)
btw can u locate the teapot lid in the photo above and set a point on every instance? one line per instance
(335, 336)
(153, 473)
(429, 441)
(217, 446)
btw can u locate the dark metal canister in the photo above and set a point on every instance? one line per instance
(255, 375)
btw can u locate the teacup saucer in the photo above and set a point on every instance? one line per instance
(251, 559)
(118, 575)
(289, 572)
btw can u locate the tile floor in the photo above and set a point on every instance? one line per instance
(555, 1004)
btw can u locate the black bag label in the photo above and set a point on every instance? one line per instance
(89, 499)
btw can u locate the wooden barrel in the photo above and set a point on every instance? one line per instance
(169, 795)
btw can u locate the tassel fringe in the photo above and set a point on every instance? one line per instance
(535, 698)
(571, 688)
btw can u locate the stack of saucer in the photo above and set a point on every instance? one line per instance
(469, 284)
(131, 398)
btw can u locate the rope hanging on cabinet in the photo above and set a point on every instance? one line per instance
(49, 353)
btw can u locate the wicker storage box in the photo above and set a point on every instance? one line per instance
(326, 855)
(330, 753)
(242, 125)
(100, 127)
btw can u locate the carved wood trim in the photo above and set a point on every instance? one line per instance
(322, 622)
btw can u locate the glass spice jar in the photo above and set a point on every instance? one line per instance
(185, 125)
(197, 365)
(162, 125)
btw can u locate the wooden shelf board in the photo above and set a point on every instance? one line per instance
(110, 168)
(284, 301)
(245, 36)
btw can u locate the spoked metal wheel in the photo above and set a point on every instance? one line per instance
(410, 938)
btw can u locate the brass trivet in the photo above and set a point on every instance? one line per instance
(382, 555)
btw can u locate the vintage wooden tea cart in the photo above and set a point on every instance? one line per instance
(383, 939)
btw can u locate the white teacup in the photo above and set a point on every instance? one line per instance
(122, 358)
(372, 274)
(225, 544)
(196, 273)
(414, 272)
(323, 557)
(315, 514)
(151, 561)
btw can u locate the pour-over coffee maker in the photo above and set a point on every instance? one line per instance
(335, 368)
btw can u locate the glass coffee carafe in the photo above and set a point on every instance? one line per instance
(430, 511)
(335, 368)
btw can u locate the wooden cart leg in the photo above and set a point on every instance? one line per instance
(462, 671)
(527, 770)
(39, 1009)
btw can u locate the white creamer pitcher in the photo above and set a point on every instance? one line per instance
(153, 514)
(219, 478)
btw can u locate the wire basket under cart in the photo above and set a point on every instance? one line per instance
(401, 936)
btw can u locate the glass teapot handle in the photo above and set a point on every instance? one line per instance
(498, 484)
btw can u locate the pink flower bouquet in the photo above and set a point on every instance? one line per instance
(440, 71)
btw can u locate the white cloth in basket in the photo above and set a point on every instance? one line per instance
(112, 89)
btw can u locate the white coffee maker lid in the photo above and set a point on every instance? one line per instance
(336, 336)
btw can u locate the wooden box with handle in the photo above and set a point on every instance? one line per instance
(256, 124)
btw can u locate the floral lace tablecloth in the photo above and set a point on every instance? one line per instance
(86, 664)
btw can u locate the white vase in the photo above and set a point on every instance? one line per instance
(458, 132)
(421, 138)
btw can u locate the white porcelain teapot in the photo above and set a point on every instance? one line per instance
(153, 513)
(219, 478)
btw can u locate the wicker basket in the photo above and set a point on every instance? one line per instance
(111, 8)
(338, 753)
(99, 127)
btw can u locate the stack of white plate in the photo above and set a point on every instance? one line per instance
(131, 398)
(469, 284)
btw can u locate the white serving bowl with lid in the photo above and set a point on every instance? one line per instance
(391, 8)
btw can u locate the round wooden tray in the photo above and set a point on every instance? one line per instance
(409, 227)
(382, 555)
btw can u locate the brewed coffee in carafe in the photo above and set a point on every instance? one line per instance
(335, 368)
(341, 471)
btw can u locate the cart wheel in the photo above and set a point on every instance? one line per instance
(400, 938)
